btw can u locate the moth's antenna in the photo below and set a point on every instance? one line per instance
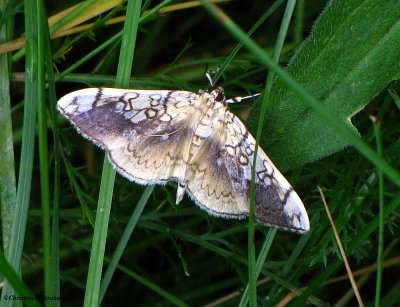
(239, 99)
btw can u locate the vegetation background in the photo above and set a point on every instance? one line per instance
(338, 61)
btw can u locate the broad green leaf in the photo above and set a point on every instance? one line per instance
(351, 55)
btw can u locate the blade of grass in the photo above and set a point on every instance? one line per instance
(43, 155)
(239, 46)
(16, 282)
(260, 263)
(377, 129)
(251, 253)
(339, 125)
(7, 179)
(359, 240)
(365, 275)
(55, 249)
(289, 263)
(342, 251)
(73, 15)
(109, 42)
(395, 97)
(89, 55)
(228, 254)
(152, 286)
(108, 176)
(124, 241)
(99, 235)
(298, 26)
(80, 13)
(67, 22)
(392, 298)
(144, 281)
(33, 85)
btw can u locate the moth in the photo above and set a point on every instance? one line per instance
(157, 136)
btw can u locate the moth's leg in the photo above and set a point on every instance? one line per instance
(180, 192)
(208, 75)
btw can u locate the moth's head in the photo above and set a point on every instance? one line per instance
(218, 93)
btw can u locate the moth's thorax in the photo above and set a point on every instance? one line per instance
(213, 99)
(218, 93)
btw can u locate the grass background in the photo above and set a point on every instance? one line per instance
(51, 229)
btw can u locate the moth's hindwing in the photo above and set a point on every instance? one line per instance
(191, 138)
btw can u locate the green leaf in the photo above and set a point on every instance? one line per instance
(351, 55)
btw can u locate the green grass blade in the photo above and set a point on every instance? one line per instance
(108, 177)
(76, 12)
(124, 241)
(7, 179)
(299, 20)
(392, 299)
(90, 55)
(239, 46)
(381, 212)
(128, 43)
(358, 241)
(43, 156)
(16, 282)
(33, 85)
(395, 97)
(278, 49)
(55, 233)
(82, 7)
(137, 277)
(100, 235)
(269, 239)
(157, 289)
(289, 263)
(109, 42)
(228, 254)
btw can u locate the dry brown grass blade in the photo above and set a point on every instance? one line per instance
(95, 10)
(369, 269)
(233, 294)
(76, 26)
(342, 252)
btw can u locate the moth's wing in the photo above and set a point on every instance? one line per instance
(145, 133)
(220, 177)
